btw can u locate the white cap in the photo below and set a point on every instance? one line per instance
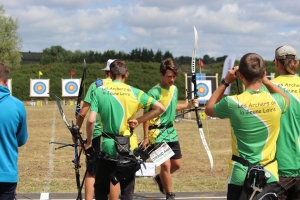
(108, 64)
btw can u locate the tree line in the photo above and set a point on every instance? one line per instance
(57, 54)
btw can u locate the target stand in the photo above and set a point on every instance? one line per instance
(39, 101)
(71, 101)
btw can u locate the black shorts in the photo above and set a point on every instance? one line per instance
(91, 166)
(234, 191)
(175, 146)
(105, 170)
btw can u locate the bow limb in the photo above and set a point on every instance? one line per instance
(76, 134)
(200, 126)
(73, 130)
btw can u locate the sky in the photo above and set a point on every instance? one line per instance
(224, 27)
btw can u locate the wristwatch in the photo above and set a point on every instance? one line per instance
(224, 83)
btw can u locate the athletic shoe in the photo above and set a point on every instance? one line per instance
(170, 196)
(157, 180)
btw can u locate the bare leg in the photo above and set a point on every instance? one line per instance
(89, 186)
(114, 191)
(175, 165)
(167, 168)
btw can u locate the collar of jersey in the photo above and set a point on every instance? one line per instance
(254, 91)
(289, 75)
(117, 81)
(167, 88)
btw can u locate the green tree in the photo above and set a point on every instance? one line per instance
(208, 60)
(167, 54)
(221, 59)
(10, 41)
(55, 54)
(158, 56)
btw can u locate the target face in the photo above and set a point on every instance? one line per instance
(71, 87)
(39, 87)
(202, 89)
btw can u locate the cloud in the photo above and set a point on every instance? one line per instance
(224, 26)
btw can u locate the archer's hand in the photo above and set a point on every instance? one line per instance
(133, 123)
(193, 103)
(232, 75)
(89, 151)
(75, 132)
(145, 142)
(88, 148)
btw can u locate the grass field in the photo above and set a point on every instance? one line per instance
(44, 169)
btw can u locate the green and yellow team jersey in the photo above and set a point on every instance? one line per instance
(168, 97)
(255, 123)
(288, 143)
(117, 103)
(88, 98)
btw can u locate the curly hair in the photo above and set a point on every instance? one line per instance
(168, 64)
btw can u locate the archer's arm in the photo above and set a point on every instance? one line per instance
(146, 131)
(190, 104)
(90, 128)
(274, 89)
(155, 111)
(82, 113)
(219, 92)
(215, 98)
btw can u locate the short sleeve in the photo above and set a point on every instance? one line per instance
(89, 94)
(221, 108)
(280, 101)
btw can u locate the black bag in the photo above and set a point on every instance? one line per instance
(270, 192)
(122, 144)
(140, 153)
(125, 168)
(256, 174)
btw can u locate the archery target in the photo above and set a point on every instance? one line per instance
(9, 85)
(204, 89)
(39, 87)
(70, 87)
